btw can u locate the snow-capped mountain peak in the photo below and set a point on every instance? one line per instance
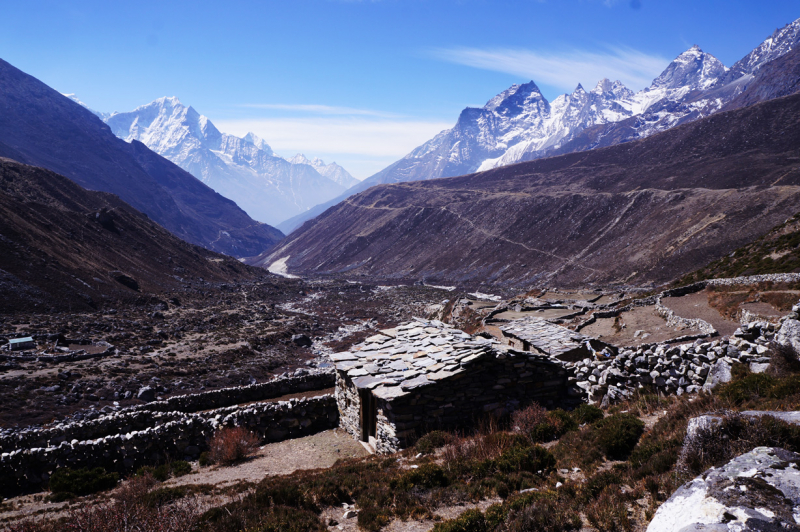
(258, 142)
(98, 114)
(267, 187)
(693, 69)
(332, 171)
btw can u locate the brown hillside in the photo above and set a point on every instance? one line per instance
(65, 247)
(645, 211)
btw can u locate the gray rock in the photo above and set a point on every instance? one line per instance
(757, 491)
(720, 373)
(789, 335)
(146, 393)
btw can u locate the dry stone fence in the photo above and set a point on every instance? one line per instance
(177, 428)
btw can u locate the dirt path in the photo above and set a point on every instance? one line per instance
(696, 306)
(654, 328)
(310, 452)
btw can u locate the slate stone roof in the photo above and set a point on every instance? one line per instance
(545, 337)
(414, 354)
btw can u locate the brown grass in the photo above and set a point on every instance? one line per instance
(232, 444)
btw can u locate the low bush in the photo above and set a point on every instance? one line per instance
(284, 519)
(205, 459)
(586, 413)
(609, 514)
(432, 441)
(541, 425)
(232, 444)
(748, 387)
(736, 434)
(546, 514)
(618, 434)
(66, 482)
(425, 476)
(469, 521)
(180, 468)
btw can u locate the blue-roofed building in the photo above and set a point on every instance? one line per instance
(17, 344)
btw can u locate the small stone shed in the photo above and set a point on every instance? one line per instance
(425, 375)
(541, 336)
(17, 344)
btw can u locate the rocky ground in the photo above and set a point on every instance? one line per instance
(189, 341)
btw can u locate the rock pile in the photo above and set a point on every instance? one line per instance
(673, 369)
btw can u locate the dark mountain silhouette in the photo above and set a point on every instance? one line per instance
(65, 247)
(41, 127)
(643, 211)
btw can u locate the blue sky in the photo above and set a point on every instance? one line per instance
(360, 82)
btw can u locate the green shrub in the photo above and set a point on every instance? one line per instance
(205, 459)
(600, 481)
(469, 521)
(786, 387)
(545, 514)
(160, 473)
(180, 468)
(531, 459)
(161, 496)
(563, 420)
(283, 519)
(495, 516)
(432, 441)
(66, 481)
(586, 414)
(609, 514)
(373, 518)
(283, 492)
(618, 434)
(751, 386)
(425, 476)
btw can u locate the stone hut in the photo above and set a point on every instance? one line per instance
(540, 336)
(425, 375)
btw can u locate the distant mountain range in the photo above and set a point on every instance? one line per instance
(245, 170)
(519, 124)
(646, 211)
(41, 127)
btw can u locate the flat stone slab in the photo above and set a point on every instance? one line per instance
(757, 491)
(545, 337)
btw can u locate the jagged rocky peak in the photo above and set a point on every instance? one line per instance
(693, 69)
(516, 99)
(258, 142)
(615, 89)
(781, 42)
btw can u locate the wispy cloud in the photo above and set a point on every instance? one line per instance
(319, 109)
(563, 69)
(363, 145)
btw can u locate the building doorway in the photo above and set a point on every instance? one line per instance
(369, 417)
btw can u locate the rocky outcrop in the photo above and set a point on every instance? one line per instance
(757, 491)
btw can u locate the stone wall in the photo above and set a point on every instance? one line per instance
(494, 386)
(687, 368)
(242, 394)
(176, 436)
(151, 414)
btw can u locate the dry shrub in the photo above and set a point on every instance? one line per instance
(131, 510)
(481, 446)
(609, 514)
(736, 434)
(548, 514)
(232, 444)
(784, 360)
(527, 419)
